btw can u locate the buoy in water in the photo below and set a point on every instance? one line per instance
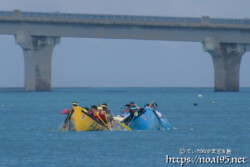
(200, 95)
(213, 102)
(195, 104)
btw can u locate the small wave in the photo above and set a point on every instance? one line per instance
(183, 128)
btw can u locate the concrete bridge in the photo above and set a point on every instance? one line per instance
(38, 33)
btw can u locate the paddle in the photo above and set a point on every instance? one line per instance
(166, 123)
(66, 111)
(125, 126)
(135, 115)
(119, 120)
(103, 122)
(108, 124)
(64, 128)
(159, 119)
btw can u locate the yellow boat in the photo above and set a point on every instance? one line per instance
(81, 121)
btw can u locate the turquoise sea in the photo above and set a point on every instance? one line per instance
(30, 124)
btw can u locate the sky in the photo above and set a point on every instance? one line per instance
(84, 62)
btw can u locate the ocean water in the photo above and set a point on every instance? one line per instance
(30, 123)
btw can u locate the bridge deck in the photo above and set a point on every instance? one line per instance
(37, 33)
(124, 19)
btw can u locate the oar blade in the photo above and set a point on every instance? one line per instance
(125, 126)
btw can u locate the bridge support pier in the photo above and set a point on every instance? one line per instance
(37, 59)
(226, 59)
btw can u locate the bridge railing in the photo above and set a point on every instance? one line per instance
(110, 17)
(57, 15)
(229, 21)
(155, 19)
(6, 13)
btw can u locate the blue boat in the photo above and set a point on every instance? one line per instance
(147, 120)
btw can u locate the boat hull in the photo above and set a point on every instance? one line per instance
(146, 121)
(81, 121)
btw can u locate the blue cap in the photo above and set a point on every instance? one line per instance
(134, 108)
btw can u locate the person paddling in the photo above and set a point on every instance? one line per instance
(97, 115)
(125, 110)
(109, 115)
(163, 118)
(102, 114)
(74, 104)
(134, 111)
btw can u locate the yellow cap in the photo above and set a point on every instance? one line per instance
(99, 108)
(84, 110)
(104, 106)
(75, 104)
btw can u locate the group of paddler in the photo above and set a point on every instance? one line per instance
(103, 116)
(100, 113)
